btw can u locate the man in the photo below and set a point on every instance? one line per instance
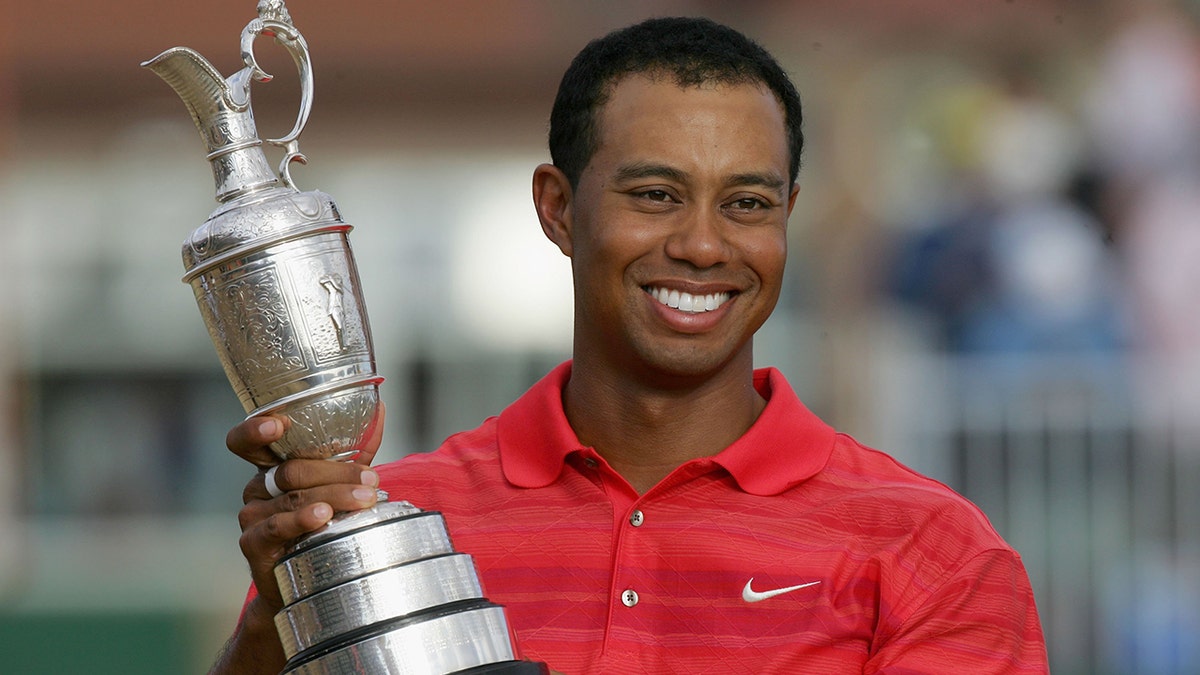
(656, 505)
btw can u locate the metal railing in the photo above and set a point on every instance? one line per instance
(1095, 484)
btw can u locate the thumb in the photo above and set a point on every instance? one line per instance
(373, 437)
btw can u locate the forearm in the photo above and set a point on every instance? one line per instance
(254, 647)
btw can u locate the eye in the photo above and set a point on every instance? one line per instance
(748, 204)
(654, 195)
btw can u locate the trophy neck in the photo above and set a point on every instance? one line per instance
(235, 152)
(241, 170)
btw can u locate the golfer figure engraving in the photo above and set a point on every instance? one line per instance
(334, 309)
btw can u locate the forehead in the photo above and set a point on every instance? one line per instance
(649, 114)
(662, 88)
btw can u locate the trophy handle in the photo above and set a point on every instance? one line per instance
(275, 22)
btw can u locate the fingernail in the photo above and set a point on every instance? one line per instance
(364, 494)
(370, 478)
(323, 511)
(268, 427)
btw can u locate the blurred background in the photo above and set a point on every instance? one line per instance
(993, 277)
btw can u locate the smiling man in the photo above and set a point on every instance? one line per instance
(656, 505)
(677, 233)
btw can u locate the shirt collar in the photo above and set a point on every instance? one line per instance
(535, 437)
(785, 446)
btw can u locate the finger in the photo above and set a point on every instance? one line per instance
(269, 526)
(341, 498)
(280, 521)
(273, 488)
(265, 540)
(301, 474)
(250, 438)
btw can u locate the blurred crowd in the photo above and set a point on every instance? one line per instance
(1070, 224)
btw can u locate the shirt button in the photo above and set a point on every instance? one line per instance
(637, 518)
(591, 463)
(629, 598)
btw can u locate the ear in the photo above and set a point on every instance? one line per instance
(552, 197)
(792, 198)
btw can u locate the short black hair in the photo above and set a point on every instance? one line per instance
(693, 51)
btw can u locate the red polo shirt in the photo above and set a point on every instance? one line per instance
(795, 550)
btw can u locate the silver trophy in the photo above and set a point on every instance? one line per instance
(376, 591)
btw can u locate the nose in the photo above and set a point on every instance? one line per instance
(699, 239)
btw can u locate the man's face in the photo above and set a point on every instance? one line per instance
(678, 226)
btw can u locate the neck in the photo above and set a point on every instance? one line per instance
(646, 429)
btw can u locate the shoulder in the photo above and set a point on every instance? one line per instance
(874, 475)
(928, 546)
(898, 508)
(464, 463)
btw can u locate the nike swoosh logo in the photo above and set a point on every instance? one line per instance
(751, 595)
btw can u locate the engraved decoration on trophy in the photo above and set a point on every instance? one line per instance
(380, 590)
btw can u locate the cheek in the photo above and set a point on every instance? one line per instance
(767, 256)
(599, 264)
(614, 244)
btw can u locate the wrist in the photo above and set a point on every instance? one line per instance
(258, 619)
(256, 636)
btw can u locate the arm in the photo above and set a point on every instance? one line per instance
(982, 619)
(314, 490)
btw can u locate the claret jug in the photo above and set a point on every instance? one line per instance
(272, 268)
(380, 590)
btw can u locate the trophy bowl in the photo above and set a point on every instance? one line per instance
(277, 286)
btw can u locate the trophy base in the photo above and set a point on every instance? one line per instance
(464, 638)
(382, 591)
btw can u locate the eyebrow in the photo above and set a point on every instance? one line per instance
(640, 170)
(769, 180)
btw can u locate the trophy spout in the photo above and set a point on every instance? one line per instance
(209, 98)
(220, 109)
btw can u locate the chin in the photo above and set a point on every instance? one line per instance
(690, 364)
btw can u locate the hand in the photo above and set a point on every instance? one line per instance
(314, 489)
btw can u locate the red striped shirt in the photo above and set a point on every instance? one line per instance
(895, 573)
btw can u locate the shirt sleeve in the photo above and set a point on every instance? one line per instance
(981, 620)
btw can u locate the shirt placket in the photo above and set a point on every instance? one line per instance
(633, 514)
(629, 515)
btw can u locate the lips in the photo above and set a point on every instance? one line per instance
(687, 302)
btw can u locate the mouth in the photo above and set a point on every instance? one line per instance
(687, 302)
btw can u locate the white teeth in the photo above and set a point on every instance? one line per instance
(686, 302)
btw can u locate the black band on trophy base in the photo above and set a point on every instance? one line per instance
(508, 668)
